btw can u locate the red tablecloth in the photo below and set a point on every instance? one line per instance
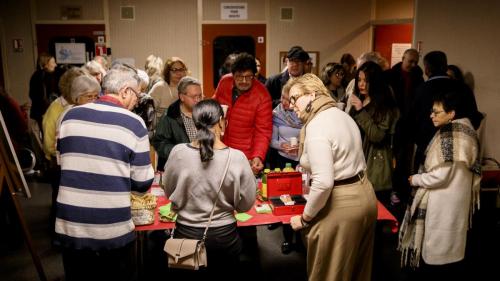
(260, 219)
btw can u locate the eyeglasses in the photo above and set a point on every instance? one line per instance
(283, 99)
(241, 78)
(178, 70)
(195, 97)
(436, 112)
(295, 61)
(137, 94)
(130, 67)
(340, 74)
(294, 99)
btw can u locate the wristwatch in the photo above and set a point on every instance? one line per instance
(303, 222)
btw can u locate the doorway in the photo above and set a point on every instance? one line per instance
(384, 36)
(49, 34)
(220, 40)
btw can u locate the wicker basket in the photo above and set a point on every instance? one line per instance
(143, 208)
(143, 216)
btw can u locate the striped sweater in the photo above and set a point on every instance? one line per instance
(104, 154)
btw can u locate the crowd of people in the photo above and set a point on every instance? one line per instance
(356, 123)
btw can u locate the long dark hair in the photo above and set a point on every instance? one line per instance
(206, 114)
(378, 89)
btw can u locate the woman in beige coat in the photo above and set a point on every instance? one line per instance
(435, 225)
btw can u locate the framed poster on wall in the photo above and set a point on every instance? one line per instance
(314, 60)
(70, 53)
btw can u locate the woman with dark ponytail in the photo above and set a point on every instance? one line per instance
(206, 116)
(192, 177)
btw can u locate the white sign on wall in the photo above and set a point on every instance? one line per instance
(233, 11)
(398, 49)
(70, 53)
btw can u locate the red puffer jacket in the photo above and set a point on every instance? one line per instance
(250, 123)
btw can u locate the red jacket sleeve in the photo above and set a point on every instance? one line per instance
(263, 125)
(223, 93)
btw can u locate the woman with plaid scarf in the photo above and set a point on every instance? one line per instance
(446, 192)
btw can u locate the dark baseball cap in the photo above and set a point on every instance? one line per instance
(296, 52)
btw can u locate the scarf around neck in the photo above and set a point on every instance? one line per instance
(320, 103)
(454, 142)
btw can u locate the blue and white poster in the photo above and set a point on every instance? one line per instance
(70, 53)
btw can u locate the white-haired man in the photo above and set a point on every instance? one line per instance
(104, 154)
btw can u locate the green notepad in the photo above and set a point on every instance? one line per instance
(243, 217)
(165, 211)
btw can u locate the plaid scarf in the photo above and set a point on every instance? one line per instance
(454, 142)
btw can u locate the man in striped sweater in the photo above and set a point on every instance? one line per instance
(104, 154)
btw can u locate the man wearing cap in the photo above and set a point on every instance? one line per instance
(296, 59)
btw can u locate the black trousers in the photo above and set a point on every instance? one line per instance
(404, 168)
(54, 173)
(275, 160)
(114, 264)
(223, 246)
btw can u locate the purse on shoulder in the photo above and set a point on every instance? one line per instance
(186, 253)
(191, 253)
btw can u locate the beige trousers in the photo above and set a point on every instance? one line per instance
(340, 239)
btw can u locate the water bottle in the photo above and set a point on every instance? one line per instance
(288, 168)
(305, 179)
(263, 189)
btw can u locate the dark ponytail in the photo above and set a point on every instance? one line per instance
(206, 114)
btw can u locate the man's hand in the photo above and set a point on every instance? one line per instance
(256, 165)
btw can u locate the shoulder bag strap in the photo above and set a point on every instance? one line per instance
(218, 192)
(216, 198)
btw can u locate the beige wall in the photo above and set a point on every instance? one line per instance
(170, 28)
(51, 9)
(394, 9)
(164, 28)
(15, 23)
(330, 27)
(468, 33)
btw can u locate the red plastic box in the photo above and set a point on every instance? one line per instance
(285, 183)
